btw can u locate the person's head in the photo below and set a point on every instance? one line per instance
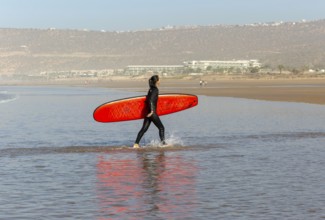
(154, 81)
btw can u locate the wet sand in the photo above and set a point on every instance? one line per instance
(288, 90)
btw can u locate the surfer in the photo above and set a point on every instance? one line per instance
(152, 99)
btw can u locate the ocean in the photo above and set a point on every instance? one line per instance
(231, 159)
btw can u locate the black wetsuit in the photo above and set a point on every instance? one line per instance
(151, 100)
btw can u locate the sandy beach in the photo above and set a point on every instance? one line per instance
(304, 89)
(310, 90)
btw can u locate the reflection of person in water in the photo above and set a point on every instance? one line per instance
(153, 185)
(169, 183)
(152, 99)
(153, 166)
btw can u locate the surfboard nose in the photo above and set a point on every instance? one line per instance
(100, 114)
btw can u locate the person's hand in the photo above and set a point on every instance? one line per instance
(150, 114)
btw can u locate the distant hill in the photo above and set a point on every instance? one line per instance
(293, 45)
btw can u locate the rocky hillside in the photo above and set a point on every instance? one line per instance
(289, 44)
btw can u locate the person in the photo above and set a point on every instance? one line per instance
(152, 99)
(201, 82)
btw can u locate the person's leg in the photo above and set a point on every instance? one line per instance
(156, 120)
(145, 126)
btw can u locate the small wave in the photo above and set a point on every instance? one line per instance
(6, 97)
(13, 152)
(288, 135)
(5, 101)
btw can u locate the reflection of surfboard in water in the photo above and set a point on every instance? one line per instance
(136, 107)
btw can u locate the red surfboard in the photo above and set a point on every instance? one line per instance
(136, 107)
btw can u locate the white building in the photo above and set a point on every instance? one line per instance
(214, 64)
(201, 64)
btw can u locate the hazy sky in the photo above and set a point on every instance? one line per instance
(114, 15)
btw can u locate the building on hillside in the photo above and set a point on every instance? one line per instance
(162, 69)
(215, 64)
(203, 65)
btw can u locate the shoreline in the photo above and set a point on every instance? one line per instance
(306, 90)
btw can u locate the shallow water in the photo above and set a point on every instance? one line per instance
(231, 159)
